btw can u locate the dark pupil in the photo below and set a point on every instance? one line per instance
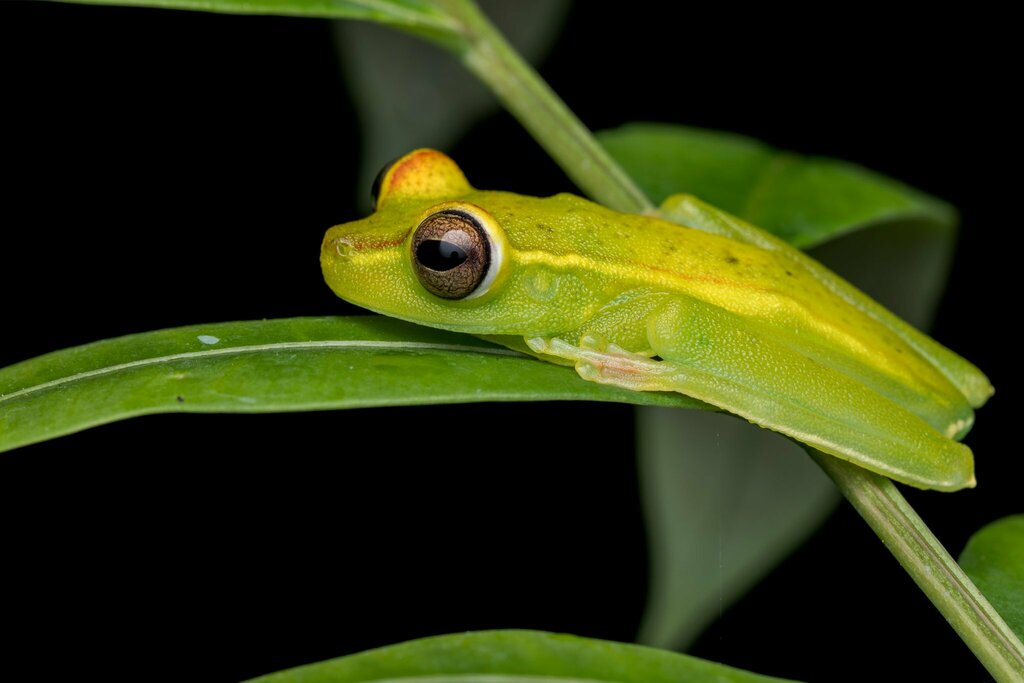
(440, 254)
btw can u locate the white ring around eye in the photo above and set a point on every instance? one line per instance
(493, 268)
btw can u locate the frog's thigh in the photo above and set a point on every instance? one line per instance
(734, 363)
(690, 211)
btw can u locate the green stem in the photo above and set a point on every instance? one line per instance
(487, 54)
(935, 572)
(567, 140)
(539, 109)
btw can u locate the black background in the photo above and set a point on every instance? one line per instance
(165, 168)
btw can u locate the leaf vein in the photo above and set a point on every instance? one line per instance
(326, 344)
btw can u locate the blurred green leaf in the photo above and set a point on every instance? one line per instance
(725, 502)
(394, 81)
(277, 365)
(805, 200)
(514, 657)
(994, 559)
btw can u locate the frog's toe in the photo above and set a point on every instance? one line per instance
(589, 342)
(958, 428)
(537, 344)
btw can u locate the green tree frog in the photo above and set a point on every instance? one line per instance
(703, 304)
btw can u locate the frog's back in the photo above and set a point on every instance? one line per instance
(778, 292)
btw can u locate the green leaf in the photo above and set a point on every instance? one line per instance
(725, 502)
(514, 657)
(417, 15)
(805, 200)
(994, 559)
(277, 365)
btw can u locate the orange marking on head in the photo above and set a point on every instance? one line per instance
(409, 164)
(423, 173)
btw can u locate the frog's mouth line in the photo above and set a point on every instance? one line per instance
(348, 245)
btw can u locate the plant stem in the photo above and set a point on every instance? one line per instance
(935, 572)
(487, 54)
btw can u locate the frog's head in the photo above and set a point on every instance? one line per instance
(438, 252)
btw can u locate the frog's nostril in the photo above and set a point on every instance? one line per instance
(344, 247)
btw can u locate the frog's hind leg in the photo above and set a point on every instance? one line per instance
(689, 211)
(735, 364)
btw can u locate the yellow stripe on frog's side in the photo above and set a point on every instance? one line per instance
(968, 379)
(809, 318)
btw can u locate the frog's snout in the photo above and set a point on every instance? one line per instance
(337, 254)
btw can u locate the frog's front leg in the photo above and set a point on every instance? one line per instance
(600, 361)
(619, 325)
(736, 364)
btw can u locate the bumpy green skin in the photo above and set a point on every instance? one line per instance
(721, 311)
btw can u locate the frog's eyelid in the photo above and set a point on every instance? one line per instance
(421, 173)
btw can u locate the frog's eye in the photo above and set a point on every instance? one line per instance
(378, 182)
(453, 254)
